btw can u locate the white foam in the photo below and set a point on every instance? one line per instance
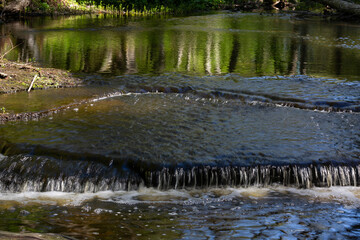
(349, 196)
(120, 94)
(59, 198)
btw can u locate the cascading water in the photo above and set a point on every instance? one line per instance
(260, 176)
(20, 174)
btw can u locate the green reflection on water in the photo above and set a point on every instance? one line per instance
(251, 45)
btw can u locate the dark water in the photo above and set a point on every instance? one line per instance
(220, 126)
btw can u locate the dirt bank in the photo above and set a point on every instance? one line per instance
(16, 77)
(15, 9)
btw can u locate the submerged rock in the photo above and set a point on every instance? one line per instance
(24, 212)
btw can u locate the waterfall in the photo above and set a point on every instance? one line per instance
(321, 175)
(25, 173)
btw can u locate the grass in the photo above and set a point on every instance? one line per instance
(55, 7)
(120, 7)
(148, 7)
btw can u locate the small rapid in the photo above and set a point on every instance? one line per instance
(299, 92)
(21, 174)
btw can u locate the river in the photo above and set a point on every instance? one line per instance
(217, 126)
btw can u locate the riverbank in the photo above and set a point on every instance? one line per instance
(15, 9)
(15, 77)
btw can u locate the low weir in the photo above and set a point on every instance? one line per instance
(21, 173)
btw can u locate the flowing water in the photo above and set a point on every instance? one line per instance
(221, 126)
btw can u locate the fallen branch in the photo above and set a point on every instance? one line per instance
(343, 6)
(22, 66)
(32, 82)
(2, 56)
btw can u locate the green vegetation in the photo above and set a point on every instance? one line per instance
(56, 6)
(157, 6)
(141, 7)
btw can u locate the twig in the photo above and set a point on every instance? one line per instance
(9, 50)
(12, 45)
(32, 83)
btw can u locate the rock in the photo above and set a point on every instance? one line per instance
(279, 4)
(16, 6)
(24, 212)
(3, 75)
(10, 209)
